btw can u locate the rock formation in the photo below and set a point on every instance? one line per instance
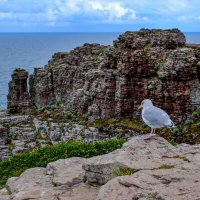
(159, 171)
(18, 97)
(99, 81)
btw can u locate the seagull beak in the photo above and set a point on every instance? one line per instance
(140, 107)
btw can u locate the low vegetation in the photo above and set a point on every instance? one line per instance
(188, 132)
(166, 167)
(17, 164)
(123, 171)
(181, 157)
(124, 123)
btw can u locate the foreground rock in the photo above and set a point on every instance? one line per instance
(99, 81)
(161, 171)
(179, 183)
(67, 171)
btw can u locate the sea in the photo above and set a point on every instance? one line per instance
(29, 50)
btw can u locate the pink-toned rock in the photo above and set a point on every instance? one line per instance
(67, 172)
(154, 184)
(37, 193)
(31, 178)
(137, 154)
(81, 192)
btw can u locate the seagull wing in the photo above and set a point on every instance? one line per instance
(156, 117)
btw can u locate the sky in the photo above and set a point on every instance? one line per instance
(98, 15)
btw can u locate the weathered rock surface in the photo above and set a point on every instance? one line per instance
(137, 154)
(161, 171)
(67, 171)
(111, 81)
(82, 192)
(33, 177)
(163, 184)
(23, 133)
(14, 118)
(4, 194)
(62, 179)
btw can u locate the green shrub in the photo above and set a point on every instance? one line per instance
(17, 164)
(196, 112)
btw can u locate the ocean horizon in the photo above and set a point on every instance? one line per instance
(34, 49)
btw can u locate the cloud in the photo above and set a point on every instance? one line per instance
(112, 9)
(80, 13)
(5, 15)
(51, 15)
(99, 10)
(176, 5)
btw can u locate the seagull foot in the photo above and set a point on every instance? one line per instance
(150, 136)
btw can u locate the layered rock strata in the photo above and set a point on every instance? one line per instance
(99, 81)
(159, 171)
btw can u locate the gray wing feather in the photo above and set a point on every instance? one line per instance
(156, 116)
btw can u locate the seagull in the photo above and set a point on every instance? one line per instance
(154, 117)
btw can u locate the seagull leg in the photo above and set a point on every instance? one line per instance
(151, 135)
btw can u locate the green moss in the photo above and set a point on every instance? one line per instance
(92, 58)
(171, 141)
(147, 47)
(57, 115)
(166, 167)
(17, 164)
(124, 123)
(123, 171)
(181, 157)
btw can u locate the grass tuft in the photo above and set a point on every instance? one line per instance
(123, 171)
(166, 167)
(181, 157)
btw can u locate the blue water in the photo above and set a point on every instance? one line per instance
(29, 50)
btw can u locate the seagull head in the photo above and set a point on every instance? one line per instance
(145, 103)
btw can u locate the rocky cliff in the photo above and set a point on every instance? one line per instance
(140, 170)
(99, 81)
